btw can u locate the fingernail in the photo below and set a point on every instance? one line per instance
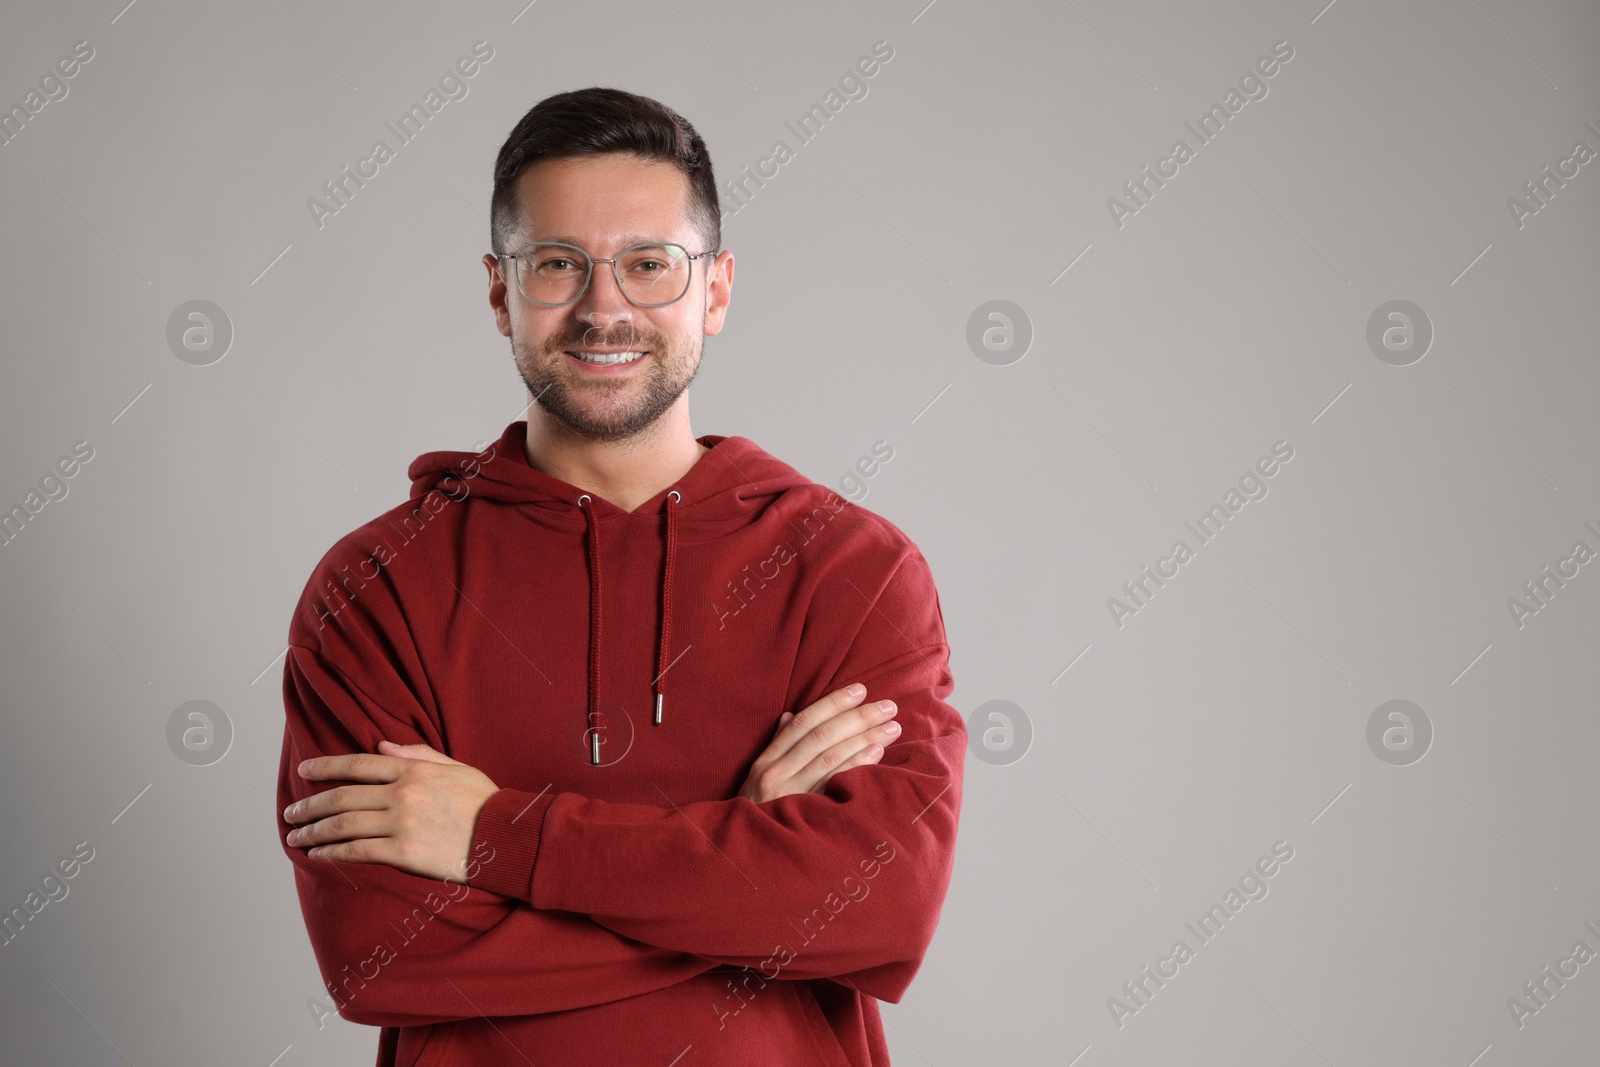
(856, 690)
(891, 728)
(887, 707)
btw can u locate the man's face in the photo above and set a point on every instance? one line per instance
(603, 204)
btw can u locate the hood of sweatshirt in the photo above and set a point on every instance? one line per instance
(727, 489)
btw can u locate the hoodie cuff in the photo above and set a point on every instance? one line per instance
(506, 842)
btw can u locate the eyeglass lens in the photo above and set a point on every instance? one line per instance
(553, 273)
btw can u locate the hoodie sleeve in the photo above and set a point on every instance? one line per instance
(845, 884)
(396, 949)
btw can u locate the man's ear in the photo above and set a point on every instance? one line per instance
(719, 291)
(499, 293)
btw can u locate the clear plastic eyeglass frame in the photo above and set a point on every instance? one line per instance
(588, 276)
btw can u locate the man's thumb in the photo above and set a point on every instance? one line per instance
(419, 751)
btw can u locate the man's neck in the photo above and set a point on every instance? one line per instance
(623, 473)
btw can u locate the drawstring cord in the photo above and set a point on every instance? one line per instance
(595, 585)
(666, 600)
(594, 628)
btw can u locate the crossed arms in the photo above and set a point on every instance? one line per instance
(626, 899)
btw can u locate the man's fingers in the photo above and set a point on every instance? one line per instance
(352, 767)
(833, 734)
(814, 715)
(332, 801)
(366, 850)
(870, 754)
(840, 729)
(838, 757)
(345, 826)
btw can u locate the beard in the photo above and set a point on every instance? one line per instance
(601, 409)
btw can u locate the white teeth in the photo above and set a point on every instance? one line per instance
(608, 357)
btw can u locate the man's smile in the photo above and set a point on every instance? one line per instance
(615, 361)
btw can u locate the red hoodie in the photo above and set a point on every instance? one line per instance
(616, 674)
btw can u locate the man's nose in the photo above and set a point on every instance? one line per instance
(603, 303)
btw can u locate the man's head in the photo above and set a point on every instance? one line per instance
(604, 169)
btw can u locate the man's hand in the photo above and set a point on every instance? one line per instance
(827, 737)
(418, 817)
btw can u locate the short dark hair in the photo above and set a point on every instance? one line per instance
(595, 121)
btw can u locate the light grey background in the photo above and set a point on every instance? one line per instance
(1228, 314)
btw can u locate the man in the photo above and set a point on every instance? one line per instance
(609, 786)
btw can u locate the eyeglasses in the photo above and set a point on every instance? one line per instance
(554, 274)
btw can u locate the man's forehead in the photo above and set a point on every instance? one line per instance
(621, 238)
(645, 216)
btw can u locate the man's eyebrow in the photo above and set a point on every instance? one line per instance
(626, 239)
